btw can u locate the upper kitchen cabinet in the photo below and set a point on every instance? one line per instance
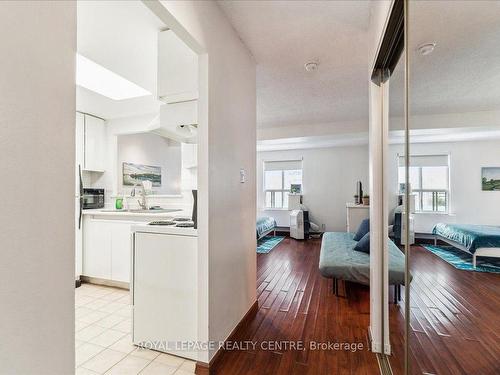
(177, 69)
(95, 144)
(90, 143)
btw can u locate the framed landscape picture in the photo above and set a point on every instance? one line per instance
(296, 188)
(134, 173)
(490, 178)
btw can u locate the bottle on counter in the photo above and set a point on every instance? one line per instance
(119, 202)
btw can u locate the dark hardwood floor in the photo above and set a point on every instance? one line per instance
(296, 303)
(455, 319)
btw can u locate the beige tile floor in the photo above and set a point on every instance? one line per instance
(102, 338)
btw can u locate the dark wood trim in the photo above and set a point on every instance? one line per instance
(105, 282)
(392, 45)
(203, 368)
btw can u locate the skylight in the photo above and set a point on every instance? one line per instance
(97, 78)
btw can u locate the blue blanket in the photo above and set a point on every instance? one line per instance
(265, 224)
(471, 237)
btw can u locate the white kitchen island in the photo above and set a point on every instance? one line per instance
(165, 289)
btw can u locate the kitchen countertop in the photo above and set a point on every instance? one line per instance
(164, 229)
(108, 212)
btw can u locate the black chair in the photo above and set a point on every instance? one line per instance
(397, 228)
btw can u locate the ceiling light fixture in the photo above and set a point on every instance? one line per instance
(311, 66)
(426, 48)
(97, 78)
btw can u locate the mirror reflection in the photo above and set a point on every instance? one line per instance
(454, 186)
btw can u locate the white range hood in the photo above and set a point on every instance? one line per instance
(178, 121)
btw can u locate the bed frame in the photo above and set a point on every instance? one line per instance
(493, 252)
(267, 232)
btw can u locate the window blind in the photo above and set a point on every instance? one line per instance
(425, 161)
(285, 165)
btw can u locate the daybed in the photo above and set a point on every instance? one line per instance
(339, 261)
(477, 240)
(265, 225)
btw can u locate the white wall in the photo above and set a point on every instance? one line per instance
(227, 143)
(109, 180)
(37, 130)
(468, 203)
(329, 181)
(151, 149)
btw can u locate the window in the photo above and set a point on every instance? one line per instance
(429, 182)
(279, 176)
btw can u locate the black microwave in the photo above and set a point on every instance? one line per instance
(93, 198)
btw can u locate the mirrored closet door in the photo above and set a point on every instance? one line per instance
(388, 150)
(454, 160)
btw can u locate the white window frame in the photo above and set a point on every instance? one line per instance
(282, 191)
(435, 192)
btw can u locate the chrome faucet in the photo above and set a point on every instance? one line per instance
(143, 202)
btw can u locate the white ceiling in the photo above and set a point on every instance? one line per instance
(461, 75)
(283, 36)
(463, 72)
(122, 37)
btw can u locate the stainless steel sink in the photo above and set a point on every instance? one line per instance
(156, 210)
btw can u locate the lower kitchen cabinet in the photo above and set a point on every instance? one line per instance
(106, 249)
(120, 251)
(96, 249)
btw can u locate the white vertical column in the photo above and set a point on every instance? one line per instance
(37, 150)
(378, 147)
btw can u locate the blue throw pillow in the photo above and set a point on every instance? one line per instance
(363, 244)
(364, 228)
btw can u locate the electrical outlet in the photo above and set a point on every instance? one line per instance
(243, 176)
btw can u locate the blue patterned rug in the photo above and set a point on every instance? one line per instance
(463, 261)
(268, 243)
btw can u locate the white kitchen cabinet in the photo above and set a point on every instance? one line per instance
(97, 248)
(106, 248)
(189, 153)
(120, 250)
(177, 69)
(95, 144)
(90, 145)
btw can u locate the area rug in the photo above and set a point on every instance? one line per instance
(266, 244)
(463, 261)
